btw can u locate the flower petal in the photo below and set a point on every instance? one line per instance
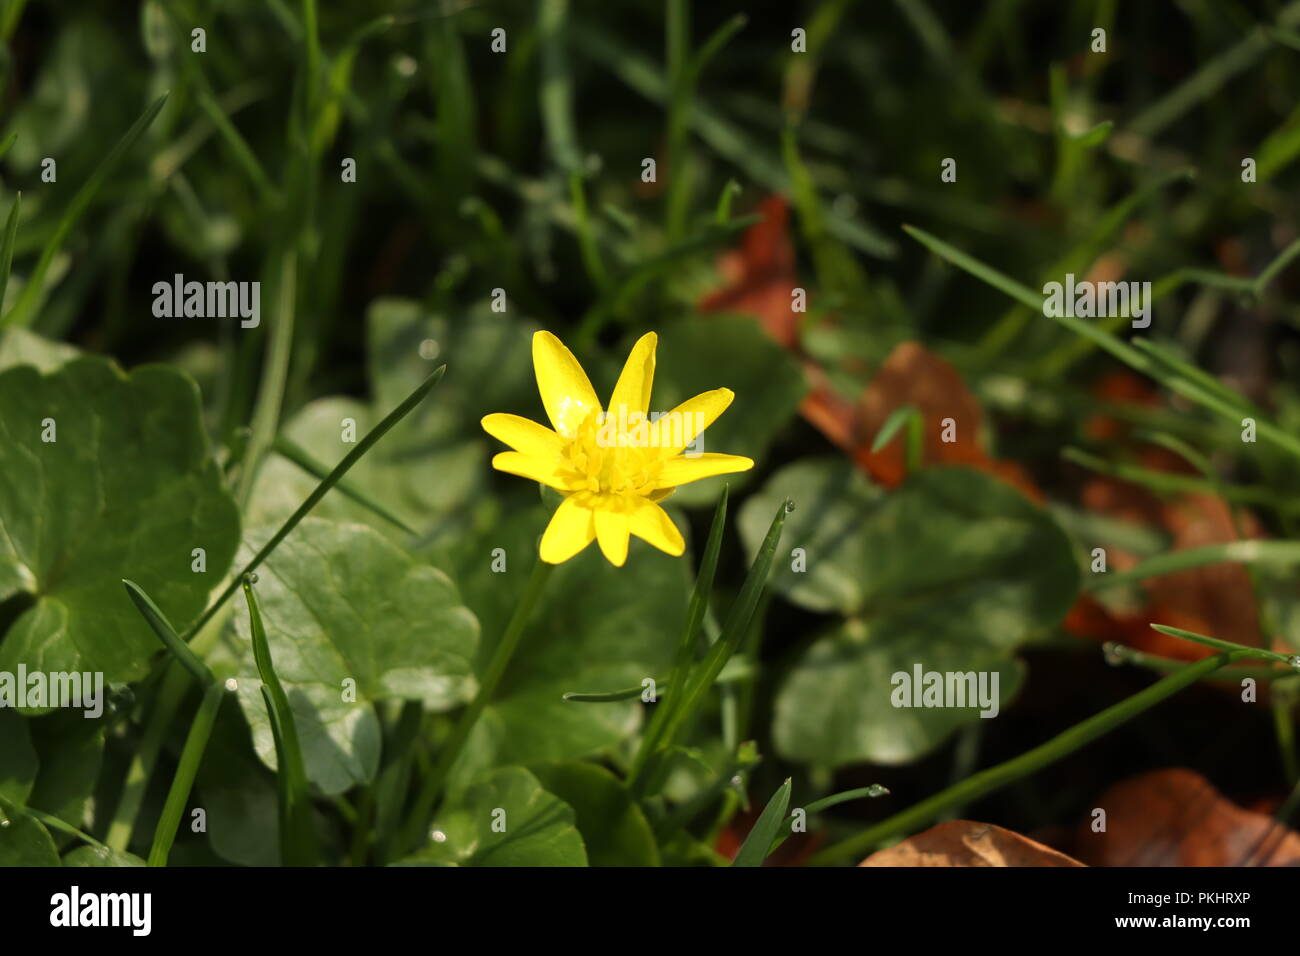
(612, 534)
(671, 433)
(545, 470)
(523, 435)
(651, 523)
(571, 529)
(632, 391)
(565, 389)
(682, 470)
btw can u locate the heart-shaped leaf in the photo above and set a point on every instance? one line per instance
(506, 819)
(947, 575)
(611, 822)
(24, 841)
(352, 618)
(104, 475)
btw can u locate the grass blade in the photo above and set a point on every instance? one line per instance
(330, 480)
(167, 634)
(1222, 645)
(7, 247)
(825, 803)
(759, 842)
(695, 611)
(1280, 553)
(297, 842)
(292, 451)
(34, 290)
(179, 794)
(733, 631)
(1130, 356)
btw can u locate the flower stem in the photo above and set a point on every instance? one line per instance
(994, 778)
(433, 785)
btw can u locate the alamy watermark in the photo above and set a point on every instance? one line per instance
(621, 428)
(1085, 300)
(82, 690)
(208, 300)
(949, 689)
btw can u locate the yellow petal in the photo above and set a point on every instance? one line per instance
(632, 391)
(611, 533)
(651, 523)
(571, 529)
(681, 470)
(671, 433)
(565, 389)
(527, 466)
(523, 435)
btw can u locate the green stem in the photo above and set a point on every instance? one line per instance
(995, 778)
(270, 395)
(179, 794)
(433, 785)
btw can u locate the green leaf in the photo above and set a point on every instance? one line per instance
(489, 369)
(532, 827)
(708, 352)
(101, 856)
(594, 626)
(24, 841)
(766, 829)
(18, 761)
(951, 572)
(611, 823)
(341, 602)
(239, 795)
(833, 502)
(71, 752)
(127, 489)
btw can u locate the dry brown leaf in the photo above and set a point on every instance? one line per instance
(760, 276)
(1176, 817)
(965, 843)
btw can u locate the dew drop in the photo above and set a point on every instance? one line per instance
(251, 577)
(876, 790)
(4, 821)
(429, 349)
(232, 684)
(737, 781)
(437, 836)
(1113, 653)
(789, 507)
(1294, 661)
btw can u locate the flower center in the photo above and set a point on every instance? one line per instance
(605, 458)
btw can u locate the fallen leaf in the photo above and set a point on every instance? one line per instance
(966, 843)
(1175, 817)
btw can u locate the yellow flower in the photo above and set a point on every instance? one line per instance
(613, 466)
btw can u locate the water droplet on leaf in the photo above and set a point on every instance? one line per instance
(1113, 653)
